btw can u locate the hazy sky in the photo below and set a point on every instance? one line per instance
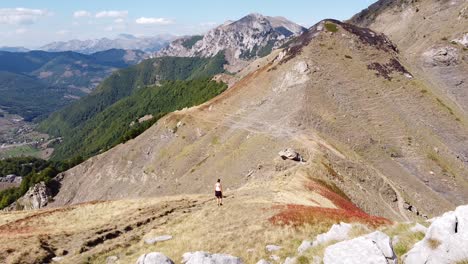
(32, 23)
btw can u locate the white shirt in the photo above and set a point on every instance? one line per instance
(218, 187)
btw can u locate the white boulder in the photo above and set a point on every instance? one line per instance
(112, 260)
(154, 258)
(262, 261)
(446, 240)
(374, 248)
(337, 232)
(200, 257)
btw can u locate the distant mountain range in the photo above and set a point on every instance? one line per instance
(251, 37)
(123, 41)
(14, 49)
(35, 83)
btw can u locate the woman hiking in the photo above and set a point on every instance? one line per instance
(219, 192)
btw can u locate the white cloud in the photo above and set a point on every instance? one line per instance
(119, 21)
(208, 24)
(154, 20)
(21, 16)
(63, 32)
(21, 31)
(112, 13)
(81, 13)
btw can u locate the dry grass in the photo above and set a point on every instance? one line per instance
(433, 243)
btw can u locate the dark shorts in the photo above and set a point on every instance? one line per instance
(218, 194)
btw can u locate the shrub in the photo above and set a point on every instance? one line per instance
(331, 27)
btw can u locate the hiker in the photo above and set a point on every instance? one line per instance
(219, 192)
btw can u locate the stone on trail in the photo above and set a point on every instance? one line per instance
(446, 240)
(154, 258)
(153, 240)
(374, 248)
(200, 257)
(290, 154)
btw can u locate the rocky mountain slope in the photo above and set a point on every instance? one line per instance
(123, 41)
(250, 37)
(432, 35)
(342, 96)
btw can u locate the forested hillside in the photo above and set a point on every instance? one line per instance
(88, 118)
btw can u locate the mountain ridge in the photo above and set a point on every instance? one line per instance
(122, 41)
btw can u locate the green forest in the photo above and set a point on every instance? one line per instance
(112, 126)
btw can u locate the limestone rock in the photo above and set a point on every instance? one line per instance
(154, 258)
(290, 260)
(36, 197)
(305, 245)
(462, 40)
(112, 260)
(262, 261)
(442, 56)
(271, 248)
(204, 257)
(290, 154)
(446, 240)
(374, 248)
(337, 232)
(153, 240)
(275, 258)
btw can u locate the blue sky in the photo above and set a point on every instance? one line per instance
(32, 23)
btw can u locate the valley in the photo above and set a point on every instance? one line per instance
(18, 138)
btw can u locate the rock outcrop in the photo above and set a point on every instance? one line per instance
(154, 258)
(36, 197)
(374, 248)
(446, 240)
(442, 56)
(203, 257)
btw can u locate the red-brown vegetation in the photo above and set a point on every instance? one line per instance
(346, 211)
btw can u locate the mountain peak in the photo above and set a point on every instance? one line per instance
(250, 37)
